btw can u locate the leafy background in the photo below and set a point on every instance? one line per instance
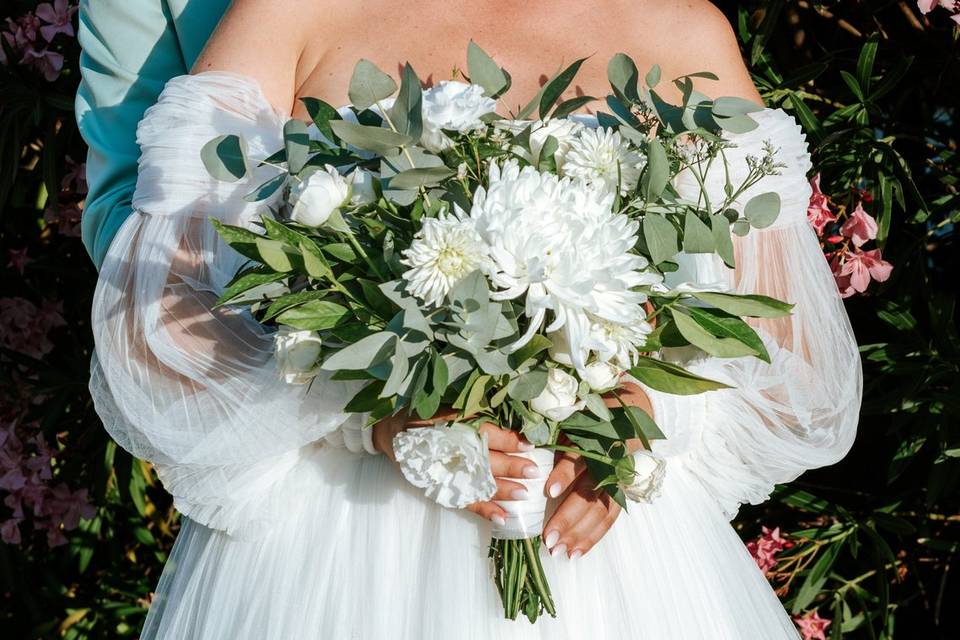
(861, 550)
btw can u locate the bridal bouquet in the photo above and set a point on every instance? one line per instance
(511, 267)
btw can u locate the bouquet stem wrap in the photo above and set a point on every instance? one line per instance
(515, 546)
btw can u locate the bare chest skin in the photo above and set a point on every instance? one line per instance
(531, 40)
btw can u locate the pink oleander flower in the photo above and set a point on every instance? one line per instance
(765, 548)
(67, 219)
(19, 259)
(75, 177)
(853, 270)
(926, 6)
(818, 211)
(25, 328)
(812, 626)
(860, 227)
(59, 18)
(10, 531)
(48, 63)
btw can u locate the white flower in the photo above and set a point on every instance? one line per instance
(648, 479)
(601, 376)
(298, 354)
(450, 462)
(617, 342)
(601, 156)
(558, 400)
(564, 130)
(362, 190)
(317, 196)
(453, 106)
(445, 250)
(558, 241)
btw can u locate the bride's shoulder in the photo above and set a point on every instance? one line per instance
(688, 36)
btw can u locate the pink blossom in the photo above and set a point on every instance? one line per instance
(23, 30)
(818, 211)
(812, 626)
(67, 219)
(765, 548)
(48, 63)
(75, 178)
(926, 6)
(19, 259)
(860, 267)
(25, 328)
(10, 531)
(860, 226)
(58, 17)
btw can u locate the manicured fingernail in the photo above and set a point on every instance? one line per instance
(519, 494)
(531, 471)
(525, 446)
(558, 550)
(498, 519)
(552, 538)
(576, 554)
(554, 490)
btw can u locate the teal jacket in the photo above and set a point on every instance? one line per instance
(130, 49)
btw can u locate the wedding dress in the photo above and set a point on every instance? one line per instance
(289, 534)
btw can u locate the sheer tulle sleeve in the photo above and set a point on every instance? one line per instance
(800, 411)
(192, 387)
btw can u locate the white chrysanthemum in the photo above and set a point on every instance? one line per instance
(564, 130)
(617, 342)
(450, 463)
(445, 250)
(602, 156)
(453, 106)
(558, 242)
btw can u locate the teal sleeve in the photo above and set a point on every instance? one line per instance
(130, 50)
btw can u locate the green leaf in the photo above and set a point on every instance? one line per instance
(240, 239)
(868, 53)
(762, 210)
(567, 107)
(315, 315)
(224, 157)
(485, 72)
(369, 85)
(737, 124)
(407, 111)
(555, 88)
(750, 305)
(275, 254)
(853, 85)
(537, 344)
(722, 325)
(729, 107)
(322, 113)
(704, 339)
(697, 237)
(652, 78)
(364, 353)
(296, 142)
(669, 378)
(720, 229)
(313, 261)
(623, 76)
(660, 236)
(420, 177)
(527, 386)
(268, 188)
(246, 282)
(657, 173)
(817, 577)
(376, 139)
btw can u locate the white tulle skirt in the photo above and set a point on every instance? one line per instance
(357, 553)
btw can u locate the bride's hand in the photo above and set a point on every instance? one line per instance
(585, 514)
(499, 441)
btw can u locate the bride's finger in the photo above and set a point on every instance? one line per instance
(586, 533)
(504, 439)
(489, 511)
(573, 509)
(504, 466)
(510, 490)
(566, 469)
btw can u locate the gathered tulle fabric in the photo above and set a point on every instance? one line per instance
(289, 534)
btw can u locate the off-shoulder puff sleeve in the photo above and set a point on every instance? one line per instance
(799, 411)
(189, 386)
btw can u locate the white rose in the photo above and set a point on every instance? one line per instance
(453, 106)
(601, 376)
(297, 353)
(451, 463)
(362, 190)
(318, 195)
(558, 400)
(650, 470)
(560, 348)
(563, 129)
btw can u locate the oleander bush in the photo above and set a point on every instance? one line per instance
(859, 550)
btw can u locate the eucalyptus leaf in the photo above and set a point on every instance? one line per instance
(762, 210)
(364, 353)
(268, 188)
(555, 88)
(727, 107)
(407, 111)
(376, 139)
(420, 177)
(322, 113)
(697, 236)
(296, 143)
(661, 237)
(527, 386)
(623, 76)
(737, 124)
(369, 85)
(657, 173)
(720, 229)
(315, 315)
(224, 158)
(485, 72)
